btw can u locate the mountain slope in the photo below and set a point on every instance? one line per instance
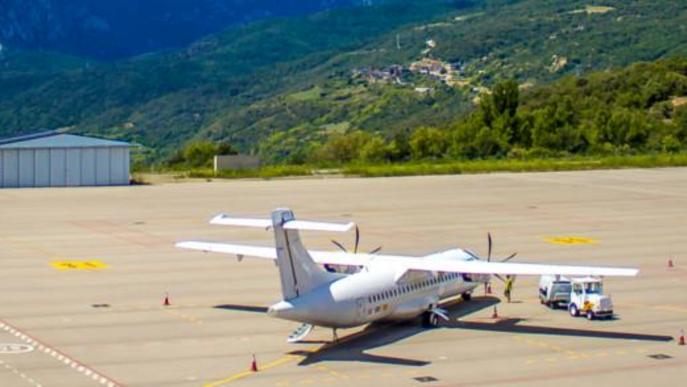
(117, 29)
(170, 96)
(313, 76)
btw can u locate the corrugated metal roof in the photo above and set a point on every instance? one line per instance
(58, 140)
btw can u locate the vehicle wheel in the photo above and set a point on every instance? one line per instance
(466, 296)
(573, 310)
(590, 315)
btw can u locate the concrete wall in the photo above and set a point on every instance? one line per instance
(64, 167)
(236, 162)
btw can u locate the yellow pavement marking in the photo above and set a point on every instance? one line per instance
(78, 265)
(330, 371)
(244, 374)
(571, 240)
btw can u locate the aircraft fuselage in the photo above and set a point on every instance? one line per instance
(373, 295)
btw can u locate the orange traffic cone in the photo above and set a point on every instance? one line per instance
(670, 263)
(681, 340)
(495, 314)
(166, 302)
(254, 365)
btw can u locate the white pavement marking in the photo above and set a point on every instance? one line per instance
(21, 374)
(59, 356)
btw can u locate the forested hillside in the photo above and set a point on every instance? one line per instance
(637, 110)
(281, 87)
(118, 29)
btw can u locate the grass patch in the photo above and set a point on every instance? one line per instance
(446, 167)
(266, 172)
(510, 165)
(307, 95)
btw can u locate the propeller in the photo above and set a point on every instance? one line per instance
(490, 244)
(356, 245)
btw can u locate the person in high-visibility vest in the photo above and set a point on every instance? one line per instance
(509, 286)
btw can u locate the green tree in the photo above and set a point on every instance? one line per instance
(343, 148)
(428, 143)
(199, 154)
(375, 150)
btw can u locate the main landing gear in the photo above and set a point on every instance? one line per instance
(430, 320)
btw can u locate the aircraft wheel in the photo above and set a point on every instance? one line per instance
(466, 296)
(429, 320)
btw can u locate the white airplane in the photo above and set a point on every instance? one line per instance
(383, 288)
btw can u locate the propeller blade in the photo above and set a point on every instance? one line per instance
(489, 248)
(499, 277)
(510, 257)
(473, 255)
(357, 239)
(339, 245)
(375, 251)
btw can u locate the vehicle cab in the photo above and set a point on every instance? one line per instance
(587, 298)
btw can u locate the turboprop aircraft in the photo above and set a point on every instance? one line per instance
(383, 288)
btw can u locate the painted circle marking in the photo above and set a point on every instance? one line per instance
(571, 240)
(10, 348)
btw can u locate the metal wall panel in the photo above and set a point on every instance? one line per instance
(102, 166)
(127, 165)
(58, 167)
(88, 166)
(26, 168)
(41, 170)
(10, 166)
(73, 170)
(117, 160)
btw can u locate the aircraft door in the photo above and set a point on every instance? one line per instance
(360, 303)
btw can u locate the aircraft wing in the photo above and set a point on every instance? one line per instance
(433, 262)
(228, 248)
(483, 267)
(321, 257)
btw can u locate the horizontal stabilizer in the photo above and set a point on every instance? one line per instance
(227, 220)
(317, 226)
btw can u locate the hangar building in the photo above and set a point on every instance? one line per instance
(55, 159)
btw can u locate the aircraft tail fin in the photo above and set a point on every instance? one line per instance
(298, 271)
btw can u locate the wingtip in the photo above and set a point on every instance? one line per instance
(218, 217)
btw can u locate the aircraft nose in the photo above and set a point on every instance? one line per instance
(280, 309)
